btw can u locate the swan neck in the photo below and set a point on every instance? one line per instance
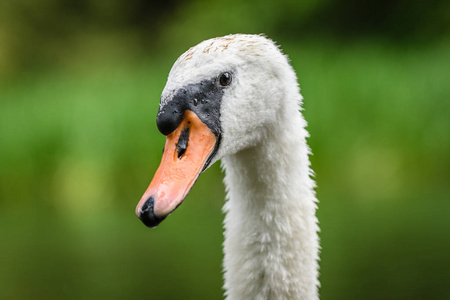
(271, 243)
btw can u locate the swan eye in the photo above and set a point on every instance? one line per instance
(225, 79)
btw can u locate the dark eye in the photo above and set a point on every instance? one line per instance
(225, 79)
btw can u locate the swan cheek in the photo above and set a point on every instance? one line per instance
(186, 152)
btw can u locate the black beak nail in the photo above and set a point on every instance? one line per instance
(147, 215)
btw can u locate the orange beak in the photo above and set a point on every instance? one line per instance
(186, 152)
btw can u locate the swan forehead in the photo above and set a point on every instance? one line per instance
(211, 57)
(237, 45)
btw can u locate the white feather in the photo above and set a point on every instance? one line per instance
(271, 243)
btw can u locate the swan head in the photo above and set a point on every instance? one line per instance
(221, 97)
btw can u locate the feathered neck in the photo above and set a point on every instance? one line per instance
(271, 243)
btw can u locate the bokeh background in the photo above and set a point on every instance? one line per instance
(80, 82)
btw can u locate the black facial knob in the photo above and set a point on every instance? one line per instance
(169, 117)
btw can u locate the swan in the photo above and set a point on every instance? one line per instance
(236, 99)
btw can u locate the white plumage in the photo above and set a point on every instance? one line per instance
(271, 243)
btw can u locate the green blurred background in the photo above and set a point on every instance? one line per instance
(80, 82)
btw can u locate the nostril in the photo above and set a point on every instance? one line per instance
(147, 214)
(182, 142)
